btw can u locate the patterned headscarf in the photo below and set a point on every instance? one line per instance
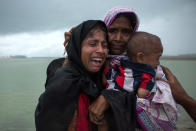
(111, 16)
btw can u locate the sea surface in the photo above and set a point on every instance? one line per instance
(22, 81)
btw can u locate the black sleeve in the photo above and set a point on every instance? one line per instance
(122, 110)
(57, 104)
(52, 68)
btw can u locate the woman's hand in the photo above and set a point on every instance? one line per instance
(97, 109)
(176, 88)
(67, 36)
(104, 126)
(180, 95)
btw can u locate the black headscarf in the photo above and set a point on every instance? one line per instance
(74, 46)
(57, 104)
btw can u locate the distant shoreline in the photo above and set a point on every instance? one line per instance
(10, 58)
(162, 58)
(178, 58)
(6, 58)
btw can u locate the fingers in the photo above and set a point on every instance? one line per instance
(161, 79)
(67, 36)
(96, 119)
(99, 106)
(97, 109)
(100, 117)
(170, 77)
(166, 71)
(72, 29)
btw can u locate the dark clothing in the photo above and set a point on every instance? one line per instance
(59, 101)
(57, 104)
(143, 74)
(52, 68)
(122, 111)
(129, 76)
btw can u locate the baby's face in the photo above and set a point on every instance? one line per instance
(153, 58)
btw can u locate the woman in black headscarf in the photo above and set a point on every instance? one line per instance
(69, 93)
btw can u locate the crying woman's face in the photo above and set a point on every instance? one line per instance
(94, 50)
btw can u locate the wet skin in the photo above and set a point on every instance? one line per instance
(119, 34)
(155, 53)
(94, 50)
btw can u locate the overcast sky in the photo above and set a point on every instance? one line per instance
(36, 27)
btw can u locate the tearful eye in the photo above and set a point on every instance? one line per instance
(105, 45)
(92, 44)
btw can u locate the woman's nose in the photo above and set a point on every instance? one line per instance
(100, 48)
(118, 36)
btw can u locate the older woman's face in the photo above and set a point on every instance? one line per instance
(119, 34)
(94, 50)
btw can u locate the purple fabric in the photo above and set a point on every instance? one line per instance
(111, 15)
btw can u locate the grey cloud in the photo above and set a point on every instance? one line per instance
(38, 15)
(29, 15)
(35, 27)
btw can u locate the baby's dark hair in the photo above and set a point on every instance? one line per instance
(141, 42)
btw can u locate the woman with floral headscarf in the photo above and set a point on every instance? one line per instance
(121, 23)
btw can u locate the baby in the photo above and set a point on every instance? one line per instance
(137, 73)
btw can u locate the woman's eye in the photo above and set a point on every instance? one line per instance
(126, 31)
(92, 44)
(111, 30)
(105, 45)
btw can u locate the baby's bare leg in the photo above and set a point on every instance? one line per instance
(142, 93)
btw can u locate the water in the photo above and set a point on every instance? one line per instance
(22, 82)
(185, 71)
